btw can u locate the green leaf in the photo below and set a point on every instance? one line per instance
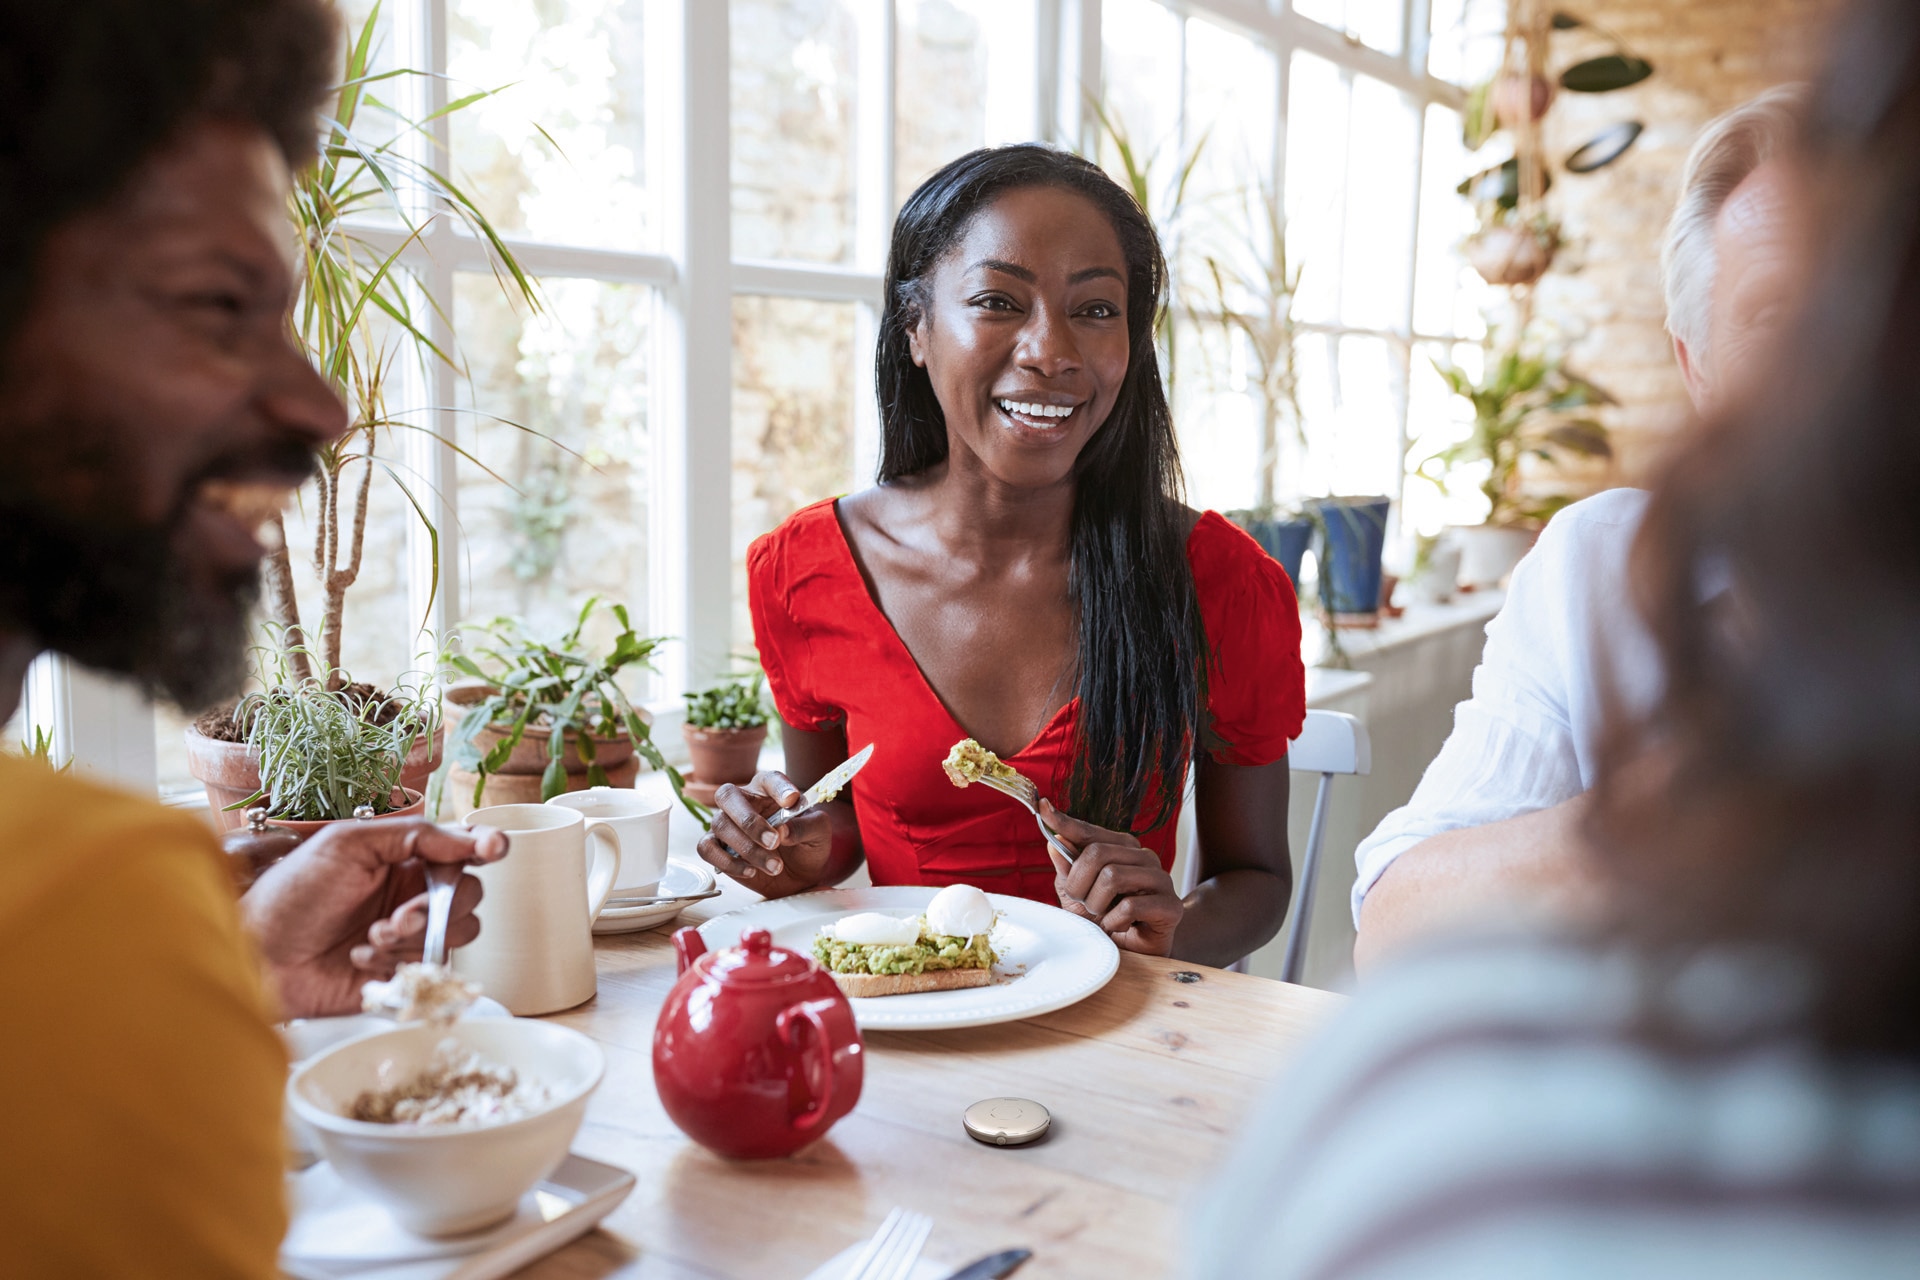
(553, 779)
(1605, 74)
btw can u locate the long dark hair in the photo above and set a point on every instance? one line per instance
(1772, 796)
(1142, 654)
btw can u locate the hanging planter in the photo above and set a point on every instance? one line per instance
(1513, 254)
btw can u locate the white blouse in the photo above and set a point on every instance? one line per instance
(1527, 738)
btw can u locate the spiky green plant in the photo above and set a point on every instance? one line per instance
(324, 751)
(349, 288)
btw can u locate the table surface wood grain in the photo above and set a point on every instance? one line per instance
(1148, 1081)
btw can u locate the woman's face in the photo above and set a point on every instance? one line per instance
(1024, 334)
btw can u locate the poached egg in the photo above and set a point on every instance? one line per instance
(959, 911)
(872, 929)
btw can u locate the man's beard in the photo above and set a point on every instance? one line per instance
(121, 597)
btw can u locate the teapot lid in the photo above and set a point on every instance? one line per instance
(757, 961)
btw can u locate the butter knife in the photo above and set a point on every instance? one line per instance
(825, 789)
(993, 1267)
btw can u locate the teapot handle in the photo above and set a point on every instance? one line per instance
(816, 1059)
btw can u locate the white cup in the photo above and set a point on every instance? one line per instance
(535, 949)
(641, 823)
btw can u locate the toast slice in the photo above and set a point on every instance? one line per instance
(900, 984)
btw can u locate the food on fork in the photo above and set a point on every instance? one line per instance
(969, 762)
(417, 992)
(874, 954)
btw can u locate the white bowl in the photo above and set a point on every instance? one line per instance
(434, 1180)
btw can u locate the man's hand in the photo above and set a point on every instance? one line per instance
(1117, 883)
(350, 905)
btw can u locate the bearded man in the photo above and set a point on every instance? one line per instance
(148, 384)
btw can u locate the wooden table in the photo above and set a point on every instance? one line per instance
(1147, 1080)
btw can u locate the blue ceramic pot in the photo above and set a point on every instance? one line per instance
(1285, 540)
(1353, 534)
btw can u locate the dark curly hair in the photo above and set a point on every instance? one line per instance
(1143, 652)
(89, 88)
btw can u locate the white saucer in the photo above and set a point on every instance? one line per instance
(682, 880)
(338, 1232)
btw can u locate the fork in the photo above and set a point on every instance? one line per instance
(895, 1247)
(1021, 788)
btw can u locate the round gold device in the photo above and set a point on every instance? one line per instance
(1007, 1122)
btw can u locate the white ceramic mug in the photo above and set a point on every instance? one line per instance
(641, 823)
(535, 949)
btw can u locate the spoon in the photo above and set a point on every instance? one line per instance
(441, 878)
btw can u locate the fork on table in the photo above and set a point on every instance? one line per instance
(895, 1247)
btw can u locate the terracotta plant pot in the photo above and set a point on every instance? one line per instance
(230, 771)
(1511, 255)
(415, 806)
(1514, 105)
(720, 756)
(518, 780)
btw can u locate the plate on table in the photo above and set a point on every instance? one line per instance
(685, 881)
(339, 1232)
(1049, 958)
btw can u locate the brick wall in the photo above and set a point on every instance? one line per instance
(1708, 56)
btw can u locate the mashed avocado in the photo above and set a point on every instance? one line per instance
(930, 954)
(970, 762)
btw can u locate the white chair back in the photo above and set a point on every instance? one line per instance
(1330, 743)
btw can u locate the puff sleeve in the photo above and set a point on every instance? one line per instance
(1257, 684)
(776, 585)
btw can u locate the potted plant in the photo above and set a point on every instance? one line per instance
(538, 718)
(357, 315)
(725, 728)
(1250, 288)
(1351, 536)
(326, 758)
(1526, 405)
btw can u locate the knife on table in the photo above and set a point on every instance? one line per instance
(993, 1267)
(827, 788)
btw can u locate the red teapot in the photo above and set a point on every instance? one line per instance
(756, 1052)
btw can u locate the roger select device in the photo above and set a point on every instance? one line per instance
(1007, 1122)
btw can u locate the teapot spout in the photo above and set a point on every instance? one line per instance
(688, 946)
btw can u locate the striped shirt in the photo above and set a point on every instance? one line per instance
(1487, 1110)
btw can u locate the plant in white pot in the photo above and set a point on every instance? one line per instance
(358, 314)
(1526, 404)
(725, 728)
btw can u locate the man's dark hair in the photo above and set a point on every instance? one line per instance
(89, 88)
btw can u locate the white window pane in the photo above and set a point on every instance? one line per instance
(1215, 415)
(1468, 36)
(793, 419)
(558, 153)
(1140, 78)
(557, 409)
(1437, 418)
(1372, 22)
(964, 79)
(793, 103)
(1448, 295)
(1318, 101)
(1233, 102)
(1351, 395)
(1378, 245)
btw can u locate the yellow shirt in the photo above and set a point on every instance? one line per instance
(140, 1078)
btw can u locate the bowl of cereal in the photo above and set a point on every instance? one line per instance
(448, 1126)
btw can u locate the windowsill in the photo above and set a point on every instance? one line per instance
(1417, 622)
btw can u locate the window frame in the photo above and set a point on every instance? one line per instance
(693, 279)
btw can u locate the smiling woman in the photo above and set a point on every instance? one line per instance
(1025, 574)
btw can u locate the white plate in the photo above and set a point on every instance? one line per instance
(683, 880)
(338, 1232)
(1049, 958)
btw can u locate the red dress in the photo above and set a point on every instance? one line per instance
(831, 655)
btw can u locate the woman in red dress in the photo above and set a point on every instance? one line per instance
(1025, 574)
